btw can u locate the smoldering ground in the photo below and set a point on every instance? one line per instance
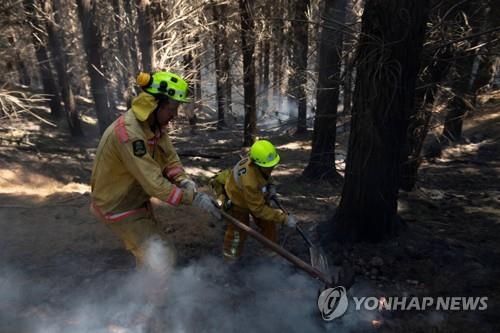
(205, 296)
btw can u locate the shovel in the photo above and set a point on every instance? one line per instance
(342, 276)
(312, 271)
(316, 253)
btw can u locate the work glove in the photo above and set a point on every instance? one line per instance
(272, 196)
(188, 196)
(203, 202)
(291, 221)
(187, 184)
(271, 192)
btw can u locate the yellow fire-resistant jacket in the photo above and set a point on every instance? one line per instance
(246, 188)
(133, 164)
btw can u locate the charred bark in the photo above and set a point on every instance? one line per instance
(123, 51)
(58, 50)
(484, 60)
(131, 40)
(22, 69)
(225, 61)
(219, 88)
(278, 55)
(265, 74)
(453, 122)
(48, 81)
(145, 23)
(190, 65)
(349, 43)
(322, 159)
(472, 15)
(387, 66)
(92, 42)
(197, 81)
(298, 80)
(248, 49)
(222, 64)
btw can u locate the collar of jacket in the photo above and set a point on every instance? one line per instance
(144, 126)
(257, 174)
(149, 133)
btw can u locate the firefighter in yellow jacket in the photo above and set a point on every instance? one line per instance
(136, 160)
(249, 191)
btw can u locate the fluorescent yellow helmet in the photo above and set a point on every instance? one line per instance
(164, 84)
(156, 86)
(264, 154)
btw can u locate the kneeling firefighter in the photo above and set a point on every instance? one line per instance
(247, 190)
(136, 160)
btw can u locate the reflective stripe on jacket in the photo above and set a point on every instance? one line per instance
(116, 217)
(133, 164)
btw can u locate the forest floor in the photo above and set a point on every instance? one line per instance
(61, 270)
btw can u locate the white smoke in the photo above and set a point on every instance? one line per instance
(205, 296)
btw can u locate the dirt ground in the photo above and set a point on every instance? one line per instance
(449, 248)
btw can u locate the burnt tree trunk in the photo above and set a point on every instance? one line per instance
(349, 43)
(22, 69)
(219, 74)
(265, 74)
(298, 80)
(190, 67)
(131, 40)
(453, 122)
(387, 66)
(322, 159)
(277, 32)
(48, 82)
(223, 73)
(485, 72)
(248, 50)
(124, 73)
(462, 71)
(225, 59)
(197, 90)
(485, 62)
(92, 42)
(277, 55)
(259, 68)
(197, 80)
(58, 50)
(145, 23)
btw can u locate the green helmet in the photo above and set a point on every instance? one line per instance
(264, 154)
(164, 84)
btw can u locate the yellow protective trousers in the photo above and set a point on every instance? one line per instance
(136, 228)
(234, 239)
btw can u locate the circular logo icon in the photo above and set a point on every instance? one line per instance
(332, 303)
